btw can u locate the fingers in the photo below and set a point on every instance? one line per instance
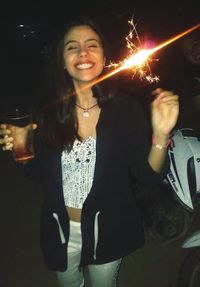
(8, 146)
(168, 99)
(157, 91)
(4, 130)
(5, 140)
(162, 93)
(164, 96)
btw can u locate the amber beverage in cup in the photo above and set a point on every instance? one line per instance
(19, 121)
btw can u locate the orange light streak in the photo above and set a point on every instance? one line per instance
(176, 38)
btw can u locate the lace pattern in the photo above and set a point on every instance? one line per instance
(78, 172)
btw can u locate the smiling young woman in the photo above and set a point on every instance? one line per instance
(92, 147)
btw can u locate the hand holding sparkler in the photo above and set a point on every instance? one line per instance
(164, 112)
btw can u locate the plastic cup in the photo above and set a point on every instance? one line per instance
(19, 121)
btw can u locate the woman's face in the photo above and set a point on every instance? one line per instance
(83, 54)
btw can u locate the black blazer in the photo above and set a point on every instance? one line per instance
(111, 224)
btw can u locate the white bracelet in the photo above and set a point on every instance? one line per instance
(160, 146)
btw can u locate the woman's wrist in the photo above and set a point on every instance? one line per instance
(161, 141)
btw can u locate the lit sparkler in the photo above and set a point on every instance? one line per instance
(140, 58)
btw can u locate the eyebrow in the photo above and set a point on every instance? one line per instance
(88, 40)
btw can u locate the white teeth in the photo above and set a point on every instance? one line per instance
(84, 66)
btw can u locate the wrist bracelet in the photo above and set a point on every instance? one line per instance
(160, 146)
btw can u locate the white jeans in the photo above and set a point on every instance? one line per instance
(102, 275)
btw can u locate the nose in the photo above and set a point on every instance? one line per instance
(82, 51)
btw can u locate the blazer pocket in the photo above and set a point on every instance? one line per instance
(62, 237)
(96, 231)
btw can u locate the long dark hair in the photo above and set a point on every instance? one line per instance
(56, 115)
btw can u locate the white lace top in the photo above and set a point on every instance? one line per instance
(78, 172)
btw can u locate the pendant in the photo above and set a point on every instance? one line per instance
(86, 114)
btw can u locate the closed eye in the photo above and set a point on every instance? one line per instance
(69, 48)
(92, 46)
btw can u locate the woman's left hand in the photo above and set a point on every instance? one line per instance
(164, 112)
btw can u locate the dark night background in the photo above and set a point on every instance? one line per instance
(28, 28)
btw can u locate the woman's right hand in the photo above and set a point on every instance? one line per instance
(6, 140)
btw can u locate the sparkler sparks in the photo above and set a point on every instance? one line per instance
(139, 59)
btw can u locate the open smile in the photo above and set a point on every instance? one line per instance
(84, 66)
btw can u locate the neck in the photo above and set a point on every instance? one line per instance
(85, 98)
(84, 94)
